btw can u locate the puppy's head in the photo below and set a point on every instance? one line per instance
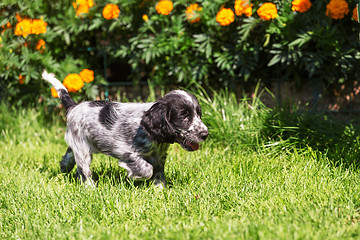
(176, 118)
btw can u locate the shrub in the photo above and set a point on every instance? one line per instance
(231, 42)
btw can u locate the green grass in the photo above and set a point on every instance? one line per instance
(263, 174)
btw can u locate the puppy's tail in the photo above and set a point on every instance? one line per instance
(60, 89)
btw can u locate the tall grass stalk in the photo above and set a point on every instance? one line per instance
(230, 120)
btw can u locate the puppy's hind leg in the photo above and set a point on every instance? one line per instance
(83, 156)
(68, 161)
(83, 161)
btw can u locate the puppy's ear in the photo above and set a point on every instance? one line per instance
(156, 122)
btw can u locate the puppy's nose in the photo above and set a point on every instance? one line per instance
(204, 135)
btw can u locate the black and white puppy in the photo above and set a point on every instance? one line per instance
(138, 134)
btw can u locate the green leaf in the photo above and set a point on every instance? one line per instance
(67, 38)
(274, 60)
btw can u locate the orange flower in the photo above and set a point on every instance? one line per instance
(111, 11)
(164, 7)
(27, 26)
(267, 11)
(337, 9)
(21, 79)
(225, 16)
(82, 6)
(18, 18)
(87, 75)
(355, 14)
(145, 17)
(40, 45)
(54, 93)
(6, 27)
(23, 28)
(73, 82)
(243, 7)
(38, 26)
(192, 13)
(301, 5)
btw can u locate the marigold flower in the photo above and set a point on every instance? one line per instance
(301, 5)
(267, 11)
(27, 26)
(21, 79)
(111, 11)
(18, 17)
(38, 26)
(145, 17)
(225, 16)
(355, 15)
(337, 9)
(23, 28)
(243, 7)
(54, 93)
(192, 13)
(40, 45)
(164, 7)
(73, 82)
(6, 27)
(82, 6)
(87, 75)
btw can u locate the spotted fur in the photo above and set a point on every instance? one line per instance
(137, 134)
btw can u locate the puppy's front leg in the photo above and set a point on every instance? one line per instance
(139, 169)
(159, 175)
(136, 167)
(159, 178)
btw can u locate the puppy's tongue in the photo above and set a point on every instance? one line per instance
(194, 146)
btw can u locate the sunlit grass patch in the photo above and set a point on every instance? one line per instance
(261, 176)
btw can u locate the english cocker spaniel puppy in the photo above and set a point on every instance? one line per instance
(137, 134)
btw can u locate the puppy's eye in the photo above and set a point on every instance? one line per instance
(186, 115)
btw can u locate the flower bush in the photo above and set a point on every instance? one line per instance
(75, 82)
(213, 43)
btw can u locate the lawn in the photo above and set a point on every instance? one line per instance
(262, 174)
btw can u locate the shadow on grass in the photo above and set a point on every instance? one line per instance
(338, 139)
(108, 173)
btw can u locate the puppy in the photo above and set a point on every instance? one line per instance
(137, 134)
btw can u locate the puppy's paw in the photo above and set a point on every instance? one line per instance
(159, 181)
